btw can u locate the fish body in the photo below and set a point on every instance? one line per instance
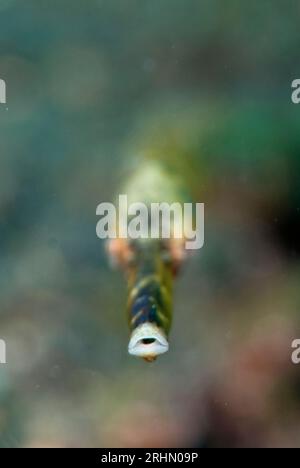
(150, 291)
(150, 266)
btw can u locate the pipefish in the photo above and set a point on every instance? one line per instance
(151, 266)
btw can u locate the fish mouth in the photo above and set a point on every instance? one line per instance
(148, 341)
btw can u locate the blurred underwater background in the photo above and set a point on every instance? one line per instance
(204, 88)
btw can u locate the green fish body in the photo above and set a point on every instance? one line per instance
(150, 266)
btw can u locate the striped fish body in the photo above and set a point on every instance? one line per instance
(150, 266)
(150, 289)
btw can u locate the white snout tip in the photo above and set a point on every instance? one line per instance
(148, 341)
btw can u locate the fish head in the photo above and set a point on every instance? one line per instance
(148, 341)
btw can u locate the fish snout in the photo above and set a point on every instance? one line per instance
(148, 341)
